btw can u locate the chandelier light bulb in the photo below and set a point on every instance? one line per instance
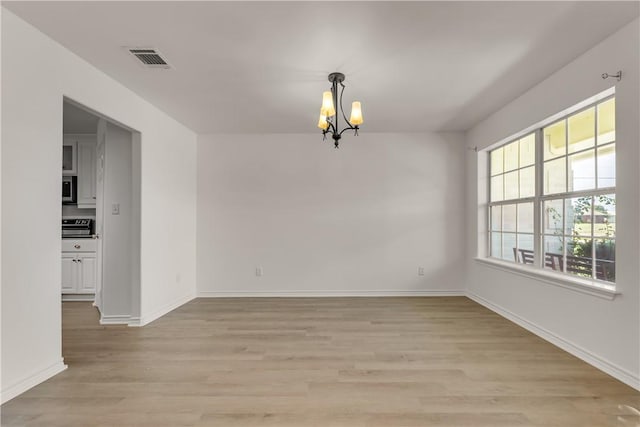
(328, 109)
(356, 113)
(322, 122)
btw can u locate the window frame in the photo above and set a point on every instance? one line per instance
(539, 198)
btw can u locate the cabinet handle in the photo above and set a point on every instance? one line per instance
(76, 246)
(74, 260)
(79, 260)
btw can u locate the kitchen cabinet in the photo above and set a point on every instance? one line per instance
(86, 273)
(86, 154)
(79, 267)
(69, 273)
(79, 273)
(79, 159)
(69, 156)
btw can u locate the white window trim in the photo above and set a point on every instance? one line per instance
(552, 119)
(594, 287)
(586, 286)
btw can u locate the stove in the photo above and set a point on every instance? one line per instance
(77, 228)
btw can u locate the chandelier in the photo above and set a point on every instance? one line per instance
(329, 118)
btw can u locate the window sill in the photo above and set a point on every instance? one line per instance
(585, 286)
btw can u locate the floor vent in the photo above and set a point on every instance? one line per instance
(149, 57)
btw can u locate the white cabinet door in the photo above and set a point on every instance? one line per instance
(69, 273)
(86, 174)
(79, 272)
(69, 156)
(87, 273)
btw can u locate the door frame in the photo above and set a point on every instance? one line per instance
(136, 161)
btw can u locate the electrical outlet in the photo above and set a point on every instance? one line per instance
(258, 271)
(115, 209)
(420, 271)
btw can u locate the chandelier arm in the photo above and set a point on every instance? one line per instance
(342, 109)
(334, 91)
(332, 127)
(355, 128)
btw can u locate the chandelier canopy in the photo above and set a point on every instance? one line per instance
(329, 117)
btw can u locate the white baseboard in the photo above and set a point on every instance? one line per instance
(32, 380)
(134, 321)
(121, 319)
(145, 320)
(316, 294)
(78, 297)
(604, 365)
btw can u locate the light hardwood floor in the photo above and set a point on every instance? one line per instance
(318, 362)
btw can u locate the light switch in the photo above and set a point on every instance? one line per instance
(115, 209)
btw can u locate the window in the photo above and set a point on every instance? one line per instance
(552, 195)
(513, 190)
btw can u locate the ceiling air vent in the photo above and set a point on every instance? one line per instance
(149, 57)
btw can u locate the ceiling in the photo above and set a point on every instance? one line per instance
(260, 67)
(77, 120)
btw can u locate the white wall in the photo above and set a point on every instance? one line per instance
(319, 221)
(606, 333)
(36, 74)
(117, 232)
(1, 273)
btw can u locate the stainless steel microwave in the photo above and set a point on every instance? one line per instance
(69, 190)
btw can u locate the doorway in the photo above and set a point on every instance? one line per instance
(101, 215)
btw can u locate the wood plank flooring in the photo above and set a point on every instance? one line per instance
(319, 362)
